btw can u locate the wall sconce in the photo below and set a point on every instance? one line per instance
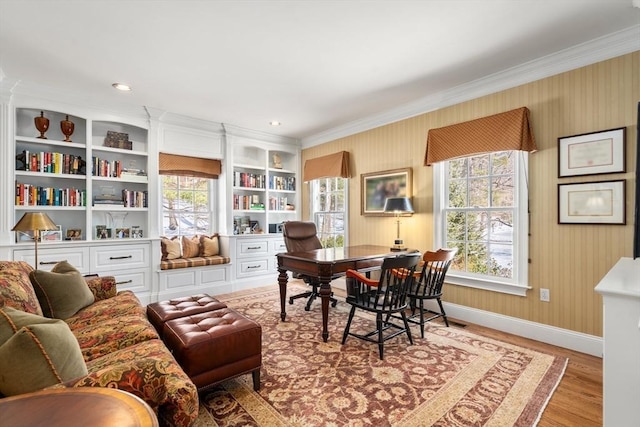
(34, 222)
(398, 206)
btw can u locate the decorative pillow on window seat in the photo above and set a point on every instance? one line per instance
(62, 292)
(36, 352)
(190, 247)
(170, 248)
(209, 246)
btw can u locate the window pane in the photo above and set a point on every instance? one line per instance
(186, 206)
(479, 192)
(456, 225)
(479, 166)
(502, 190)
(458, 168)
(457, 193)
(502, 226)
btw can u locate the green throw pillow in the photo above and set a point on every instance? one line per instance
(62, 292)
(38, 354)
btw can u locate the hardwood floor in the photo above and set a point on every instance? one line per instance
(578, 399)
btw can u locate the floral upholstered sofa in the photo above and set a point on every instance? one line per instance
(59, 329)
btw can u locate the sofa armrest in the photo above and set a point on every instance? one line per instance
(102, 287)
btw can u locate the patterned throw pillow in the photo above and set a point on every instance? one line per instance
(63, 294)
(190, 247)
(16, 291)
(209, 246)
(170, 248)
(37, 353)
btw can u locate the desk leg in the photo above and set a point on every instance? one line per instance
(325, 294)
(283, 277)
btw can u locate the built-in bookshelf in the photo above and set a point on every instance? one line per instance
(95, 176)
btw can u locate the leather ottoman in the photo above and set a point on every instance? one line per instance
(215, 345)
(160, 312)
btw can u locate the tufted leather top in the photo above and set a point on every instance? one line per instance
(214, 345)
(161, 312)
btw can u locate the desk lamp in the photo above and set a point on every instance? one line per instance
(398, 206)
(34, 222)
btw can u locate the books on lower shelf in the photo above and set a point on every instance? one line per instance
(128, 199)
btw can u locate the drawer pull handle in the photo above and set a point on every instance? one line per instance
(48, 262)
(123, 282)
(253, 247)
(253, 266)
(120, 257)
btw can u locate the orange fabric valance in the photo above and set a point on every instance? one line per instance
(501, 132)
(172, 164)
(332, 165)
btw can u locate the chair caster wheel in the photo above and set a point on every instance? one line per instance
(290, 301)
(307, 308)
(333, 304)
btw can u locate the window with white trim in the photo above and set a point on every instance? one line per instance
(329, 210)
(186, 207)
(480, 207)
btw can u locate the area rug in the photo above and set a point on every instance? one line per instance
(451, 377)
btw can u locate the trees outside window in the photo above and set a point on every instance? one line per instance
(329, 210)
(481, 209)
(186, 209)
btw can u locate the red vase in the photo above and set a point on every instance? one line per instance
(67, 127)
(42, 124)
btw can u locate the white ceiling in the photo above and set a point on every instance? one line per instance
(313, 65)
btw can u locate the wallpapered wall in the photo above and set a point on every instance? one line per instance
(569, 260)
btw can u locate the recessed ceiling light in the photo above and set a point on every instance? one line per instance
(275, 123)
(122, 87)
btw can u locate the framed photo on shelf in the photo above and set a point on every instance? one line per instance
(102, 232)
(592, 153)
(592, 203)
(24, 236)
(376, 187)
(136, 232)
(51, 235)
(123, 233)
(74, 234)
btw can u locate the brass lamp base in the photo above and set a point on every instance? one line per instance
(398, 245)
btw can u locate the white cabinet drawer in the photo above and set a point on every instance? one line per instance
(278, 246)
(113, 258)
(136, 281)
(49, 257)
(252, 247)
(254, 266)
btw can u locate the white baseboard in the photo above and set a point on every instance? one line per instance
(565, 338)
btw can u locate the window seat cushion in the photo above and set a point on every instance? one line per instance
(193, 262)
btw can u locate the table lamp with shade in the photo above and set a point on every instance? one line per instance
(398, 206)
(35, 222)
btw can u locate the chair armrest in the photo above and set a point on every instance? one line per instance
(102, 287)
(361, 278)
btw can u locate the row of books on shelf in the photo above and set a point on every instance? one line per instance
(247, 202)
(286, 183)
(50, 162)
(35, 195)
(279, 204)
(127, 199)
(249, 180)
(115, 169)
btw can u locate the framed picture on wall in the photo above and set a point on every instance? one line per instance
(592, 153)
(592, 203)
(376, 187)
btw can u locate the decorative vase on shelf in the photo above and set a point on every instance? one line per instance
(42, 124)
(67, 127)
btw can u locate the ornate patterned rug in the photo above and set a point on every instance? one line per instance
(449, 378)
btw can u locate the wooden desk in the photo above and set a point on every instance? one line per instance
(328, 264)
(81, 406)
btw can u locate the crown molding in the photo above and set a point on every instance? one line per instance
(597, 50)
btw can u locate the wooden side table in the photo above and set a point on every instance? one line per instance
(82, 406)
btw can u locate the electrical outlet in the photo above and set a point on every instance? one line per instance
(544, 294)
